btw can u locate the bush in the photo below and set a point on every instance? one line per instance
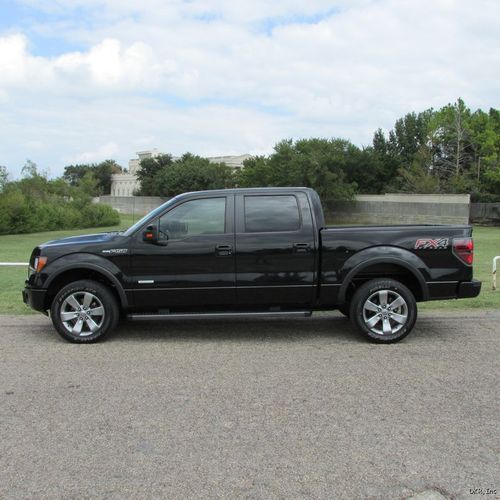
(15, 214)
(98, 214)
(21, 212)
(484, 198)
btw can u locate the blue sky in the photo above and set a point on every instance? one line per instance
(86, 80)
(17, 17)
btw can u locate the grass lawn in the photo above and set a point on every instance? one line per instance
(17, 248)
(486, 246)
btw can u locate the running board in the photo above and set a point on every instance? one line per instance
(217, 315)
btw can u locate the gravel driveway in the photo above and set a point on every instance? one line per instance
(301, 408)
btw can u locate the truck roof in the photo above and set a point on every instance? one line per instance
(251, 190)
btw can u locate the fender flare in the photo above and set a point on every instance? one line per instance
(96, 268)
(383, 260)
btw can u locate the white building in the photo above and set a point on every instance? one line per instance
(126, 184)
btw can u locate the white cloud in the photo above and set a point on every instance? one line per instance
(106, 65)
(218, 77)
(104, 151)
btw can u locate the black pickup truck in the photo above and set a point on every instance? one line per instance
(254, 252)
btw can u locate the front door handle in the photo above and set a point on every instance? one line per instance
(223, 250)
(301, 247)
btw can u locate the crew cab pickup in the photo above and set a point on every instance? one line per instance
(254, 252)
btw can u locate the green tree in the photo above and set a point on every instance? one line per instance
(74, 173)
(419, 178)
(255, 172)
(407, 139)
(408, 136)
(451, 140)
(30, 169)
(447, 150)
(317, 163)
(367, 170)
(34, 184)
(149, 169)
(484, 132)
(192, 173)
(387, 162)
(102, 173)
(83, 193)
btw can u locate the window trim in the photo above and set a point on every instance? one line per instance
(260, 195)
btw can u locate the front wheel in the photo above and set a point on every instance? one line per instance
(83, 311)
(383, 310)
(344, 309)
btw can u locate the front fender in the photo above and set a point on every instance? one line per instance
(88, 261)
(383, 255)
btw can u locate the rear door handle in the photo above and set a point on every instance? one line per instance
(301, 247)
(223, 250)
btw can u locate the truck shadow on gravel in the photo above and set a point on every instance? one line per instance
(334, 327)
(330, 326)
(244, 329)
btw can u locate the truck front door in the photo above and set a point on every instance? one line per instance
(193, 264)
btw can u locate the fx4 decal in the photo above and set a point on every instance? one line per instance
(432, 244)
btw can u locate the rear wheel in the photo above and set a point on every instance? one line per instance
(384, 310)
(84, 311)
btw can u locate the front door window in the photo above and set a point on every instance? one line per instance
(194, 218)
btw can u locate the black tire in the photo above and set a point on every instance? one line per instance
(92, 325)
(372, 319)
(345, 310)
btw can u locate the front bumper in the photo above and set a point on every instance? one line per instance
(35, 298)
(468, 289)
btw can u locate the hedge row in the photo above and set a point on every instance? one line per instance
(19, 214)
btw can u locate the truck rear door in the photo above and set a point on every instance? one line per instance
(275, 250)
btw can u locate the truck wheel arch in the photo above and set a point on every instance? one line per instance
(358, 269)
(84, 271)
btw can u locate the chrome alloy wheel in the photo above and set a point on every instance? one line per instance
(82, 314)
(385, 312)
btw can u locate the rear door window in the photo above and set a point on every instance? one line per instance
(271, 214)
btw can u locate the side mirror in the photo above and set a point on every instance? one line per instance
(150, 234)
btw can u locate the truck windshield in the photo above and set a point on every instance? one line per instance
(151, 215)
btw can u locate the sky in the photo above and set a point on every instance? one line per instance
(86, 80)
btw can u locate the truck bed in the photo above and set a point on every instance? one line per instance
(426, 248)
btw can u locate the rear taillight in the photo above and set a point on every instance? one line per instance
(463, 248)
